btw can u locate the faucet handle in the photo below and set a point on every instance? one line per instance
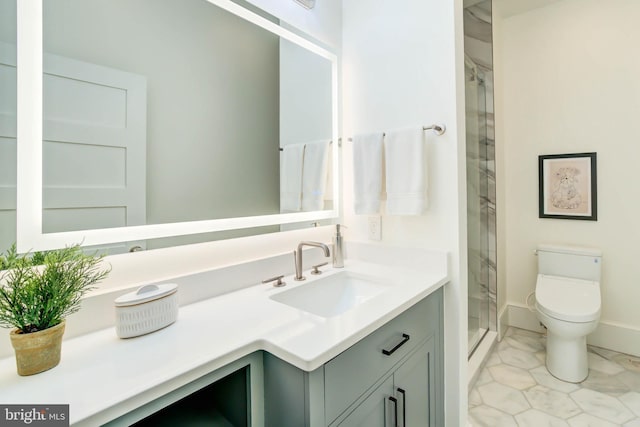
(278, 281)
(316, 268)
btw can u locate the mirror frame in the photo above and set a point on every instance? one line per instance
(29, 235)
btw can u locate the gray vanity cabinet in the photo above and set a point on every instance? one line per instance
(403, 399)
(228, 396)
(401, 361)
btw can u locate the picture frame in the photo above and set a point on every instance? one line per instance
(567, 186)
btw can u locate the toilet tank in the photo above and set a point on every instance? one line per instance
(570, 261)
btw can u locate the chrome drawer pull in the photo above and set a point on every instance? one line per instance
(405, 338)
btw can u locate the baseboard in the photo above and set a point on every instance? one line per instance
(617, 337)
(521, 317)
(610, 335)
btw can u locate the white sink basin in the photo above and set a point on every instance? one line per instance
(332, 295)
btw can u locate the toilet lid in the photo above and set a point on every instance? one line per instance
(564, 298)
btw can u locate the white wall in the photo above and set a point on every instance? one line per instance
(402, 67)
(569, 83)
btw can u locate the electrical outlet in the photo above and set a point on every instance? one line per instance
(375, 228)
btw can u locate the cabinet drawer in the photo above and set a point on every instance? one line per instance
(352, 372)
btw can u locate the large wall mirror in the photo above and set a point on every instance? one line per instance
(144, 122)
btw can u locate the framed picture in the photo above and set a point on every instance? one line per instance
(567, 186)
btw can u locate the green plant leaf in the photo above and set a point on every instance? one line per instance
(41, 290)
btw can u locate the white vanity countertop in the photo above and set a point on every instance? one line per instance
(100, 375)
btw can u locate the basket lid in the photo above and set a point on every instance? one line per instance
(145, 294)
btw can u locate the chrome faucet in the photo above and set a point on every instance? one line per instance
(297, 255)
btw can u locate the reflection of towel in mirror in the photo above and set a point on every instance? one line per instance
(367, 173)
(328, 191)
(291, 177)
(406, 172)
(314, 175)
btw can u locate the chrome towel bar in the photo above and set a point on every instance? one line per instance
(438, 129)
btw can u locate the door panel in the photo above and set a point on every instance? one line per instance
(94, 148)
(416, 378)
(94, 152)
(374, 409)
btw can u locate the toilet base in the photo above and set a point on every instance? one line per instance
(567, 358)
(567, 347)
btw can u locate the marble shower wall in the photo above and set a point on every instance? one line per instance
(481, 158)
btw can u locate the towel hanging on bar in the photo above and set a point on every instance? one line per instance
(367, 173)
(406, 172)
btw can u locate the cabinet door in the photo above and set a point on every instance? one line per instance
(414, 384)
(357, 369)
(376, 410)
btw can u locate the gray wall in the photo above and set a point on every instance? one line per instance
(212, 115)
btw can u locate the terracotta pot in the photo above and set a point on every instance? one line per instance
(38, 351)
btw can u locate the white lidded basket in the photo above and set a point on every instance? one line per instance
(147, 309)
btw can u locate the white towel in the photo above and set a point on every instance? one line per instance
(328, 192)
(367, 173)
(405, 161)
(291, 177)
(314, 175)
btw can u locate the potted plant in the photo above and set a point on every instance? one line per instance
(37, 292)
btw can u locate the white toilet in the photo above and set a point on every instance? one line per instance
(568, 304)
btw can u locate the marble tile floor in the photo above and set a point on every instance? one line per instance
(515, 389)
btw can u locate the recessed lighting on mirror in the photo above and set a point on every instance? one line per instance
(309, 4)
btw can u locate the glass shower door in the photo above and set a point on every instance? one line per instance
(478, 217)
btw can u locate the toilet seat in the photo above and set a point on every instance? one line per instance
(569, 299)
